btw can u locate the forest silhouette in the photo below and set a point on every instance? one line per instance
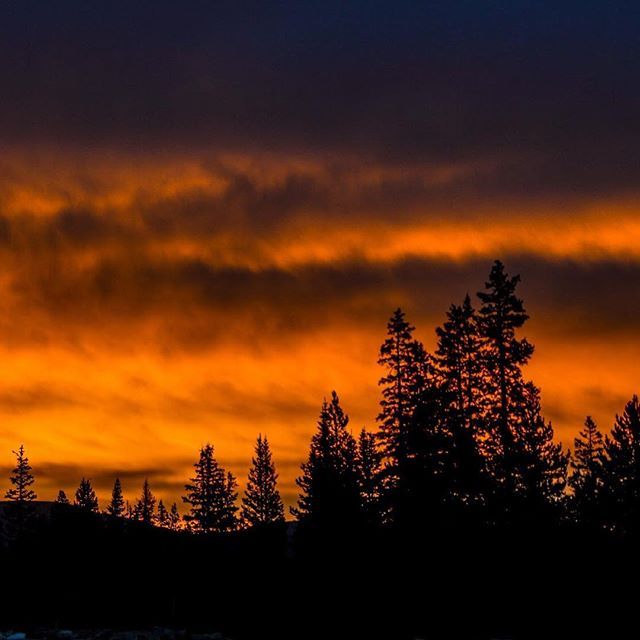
(459, 516)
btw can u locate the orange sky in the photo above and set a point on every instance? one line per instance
(155, 301)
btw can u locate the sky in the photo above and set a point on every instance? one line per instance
(209, 210)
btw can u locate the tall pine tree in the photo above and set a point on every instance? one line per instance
(261, 504)
(162, 519)
(406, 364)
(173, 522)
(458, 372)
(211, 496)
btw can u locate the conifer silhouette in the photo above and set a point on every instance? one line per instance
(458, 370)
(211, 496)
(22, 479)
(369, 467)
(503, 356)
(261, 504)
(406, 365)
(330, 494)
(622, 470)
(145, 507)
(116, 508)
(162, 518)
(587, 478)
(173, 522)
(86, 498)
(62, 498)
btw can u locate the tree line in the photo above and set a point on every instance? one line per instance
(461, 441)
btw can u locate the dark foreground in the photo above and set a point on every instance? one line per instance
(78, 571)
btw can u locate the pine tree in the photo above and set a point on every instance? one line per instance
(162, 519)
(541, 464)
(330, 495)
(622, 470)
(211, 496)
(503, 355)
(174, 518)
(22, 479)
(458, 373)
(406, 364)
(145, 507)
(86, 497)
(261, 504)
(587, 476)
(369, 467)
(62, 498)
(116, 507)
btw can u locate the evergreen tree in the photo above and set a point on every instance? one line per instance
(22, 479)
(406, 365)
(261, 503)
(459, 377)
(162, 518)
(587, 476)
(62, 498)
(174, 518)
(503, 356)
(86, 497)
(540, 463)
(116, 507)
(211, 496)
(145, 507)
(622, 470)
(129, 512)
(330, 495)
(369, 467)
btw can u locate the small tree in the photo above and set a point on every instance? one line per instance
(22, 479)
(174, 518)
(369, 466)
(116, 508)
(587, 478)
(162, 518)
(146, 505)
(86, 498)
(261, 503)
(62, 498)
(211, 496)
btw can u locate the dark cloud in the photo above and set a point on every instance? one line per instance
(549, 90)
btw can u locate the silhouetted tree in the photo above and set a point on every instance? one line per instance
(22, 479)
(330, 495)
(458, 370)
(174, 518)
(211, 496)
(261, 503)
(622, 470)
(129, 512)
(116, 507)
(405, 362)
(540, 465)
(162, 519)
(369, 467)
(587, 478)
(145, 507)
(62, 498)
(86, 498)
(503, 356)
